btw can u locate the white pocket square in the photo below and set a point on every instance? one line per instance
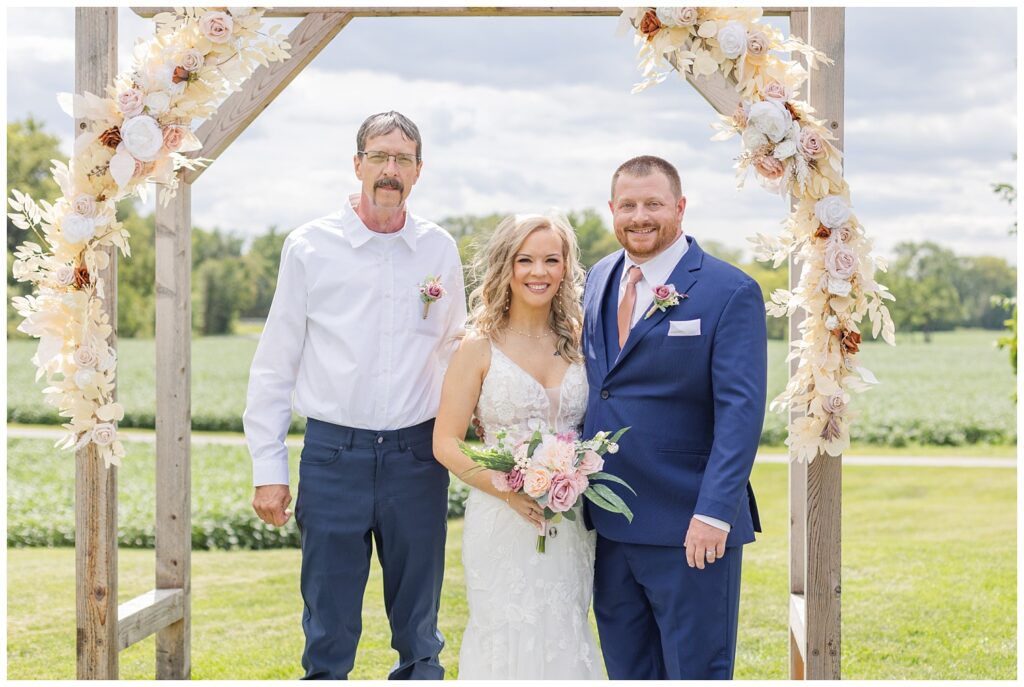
(684, 328)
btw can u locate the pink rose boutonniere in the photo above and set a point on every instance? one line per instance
(665, 297)
(431, 291)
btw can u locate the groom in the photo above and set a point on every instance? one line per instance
(688, 375)
(363, 351)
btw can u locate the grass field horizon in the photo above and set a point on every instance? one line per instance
(956, 390)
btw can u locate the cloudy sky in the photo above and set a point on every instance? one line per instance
(527, 113)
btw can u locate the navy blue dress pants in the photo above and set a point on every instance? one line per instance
(660, 619)
(357, 487)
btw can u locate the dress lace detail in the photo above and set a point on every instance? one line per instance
(528, 612)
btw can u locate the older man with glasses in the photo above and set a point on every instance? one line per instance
(368, 305)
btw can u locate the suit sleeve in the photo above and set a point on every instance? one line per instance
(739, 370)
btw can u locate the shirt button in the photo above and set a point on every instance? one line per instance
(380, 440)
(604, 393)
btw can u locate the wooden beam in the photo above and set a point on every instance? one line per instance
(173, 427)
(719, 91)
(824, 475)
(148, 613)
(451, 11)
(798, 620)
(242, 107)
(96, 484)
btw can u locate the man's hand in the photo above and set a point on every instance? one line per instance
(704, 542)
(270, 502)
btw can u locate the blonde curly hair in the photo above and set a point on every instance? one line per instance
(492, 272)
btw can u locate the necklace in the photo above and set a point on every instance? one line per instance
(529, 336)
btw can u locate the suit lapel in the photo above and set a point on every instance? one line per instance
(602, 282)
(683, 276)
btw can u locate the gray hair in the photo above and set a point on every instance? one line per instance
(384, 123)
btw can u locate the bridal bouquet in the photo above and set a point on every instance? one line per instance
(556, 470)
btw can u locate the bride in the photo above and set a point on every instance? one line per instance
(520, 368)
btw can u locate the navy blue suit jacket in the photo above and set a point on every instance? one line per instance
(695, 404)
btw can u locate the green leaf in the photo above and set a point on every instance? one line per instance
(612, 478)
(570, 516)
(614, 499)
(615, 437)
(598, 500)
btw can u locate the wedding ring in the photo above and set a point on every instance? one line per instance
(710, 553)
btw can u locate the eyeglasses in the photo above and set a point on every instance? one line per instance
(377, 157)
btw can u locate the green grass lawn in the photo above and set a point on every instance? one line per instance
(954, 391)
(929, 582)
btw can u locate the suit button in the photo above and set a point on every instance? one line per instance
(604, 393)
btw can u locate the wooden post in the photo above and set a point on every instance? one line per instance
(95, 484)
(174, 426)
(816, 489)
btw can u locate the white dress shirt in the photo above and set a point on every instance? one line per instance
(346, 333)
(656, 272)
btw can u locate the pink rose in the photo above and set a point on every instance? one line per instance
(768, 167)
(174, 135)
(85, 356)
(739, 117)
(104, 433)
(835, 404)
(130, 102)
(499, 481)
(591, 463)
(664, 291)
(192, 60)
(757, 44)
(564, 493)
(580, 480)
(812, 144)
(216, 26)
(846, 233)
(514, 479)
(557, 456)
(435, 290)
(840, 261)
(537, 481)
(775, 91)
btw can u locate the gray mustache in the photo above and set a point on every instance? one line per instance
(391, 183)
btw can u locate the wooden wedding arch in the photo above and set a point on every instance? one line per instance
(104, 627)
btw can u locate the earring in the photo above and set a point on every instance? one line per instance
(508, 300)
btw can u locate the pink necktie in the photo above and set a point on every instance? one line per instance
(628, 303)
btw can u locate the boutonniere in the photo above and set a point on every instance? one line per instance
(431, 291)
(665, 296)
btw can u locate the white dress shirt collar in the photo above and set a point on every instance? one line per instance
(358, 233)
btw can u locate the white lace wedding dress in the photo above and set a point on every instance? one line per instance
(527, 610)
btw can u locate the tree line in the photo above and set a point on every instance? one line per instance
(234, 278)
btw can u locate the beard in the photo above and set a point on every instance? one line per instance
(647, 246)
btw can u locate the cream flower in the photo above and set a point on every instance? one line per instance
(537, 481)
(216, 26)
(130, 102)
(142, 138)
(839, 287)
(85, 377)
(64, 275)
(840, 261)
(76, 228)
(104, 433)
(832, 211)
(192, 60)
(158, 102)
(732, 39)
(831, 322)
(84, 205)
(677, 16)
(770, 118)
(85, 356)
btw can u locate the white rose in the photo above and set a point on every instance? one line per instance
(839, 287)
(85, 377)
(832, 211)
(732, 39)
(677, 16)
(64, 275)
(753, 139)
(109, 360)
(76, 228)
(785, 149)
(103, 434)
(831, 322)
(85, 356)
(142, 137)
(158, 102)
(770, 118)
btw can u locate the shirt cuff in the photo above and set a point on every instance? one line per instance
(273, 471)
(714, 522)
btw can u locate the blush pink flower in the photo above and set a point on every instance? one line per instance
(499, 481)
(514, 479)
(768, 167)
(774, 90)
(216, 26)
(812, 144)
(174, 136)
(563, 494)
(130, 102)
(663, 291)
(591, 463)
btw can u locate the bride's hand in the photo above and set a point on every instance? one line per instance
(527, 508)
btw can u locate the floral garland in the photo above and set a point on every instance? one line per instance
(137, 134)
(792, 153)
